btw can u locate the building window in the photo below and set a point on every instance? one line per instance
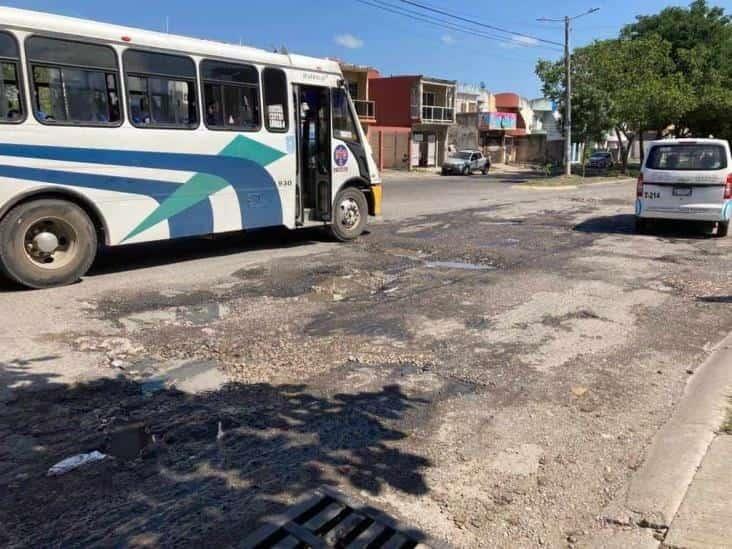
(274, 83)
(11, 105)
(428, 99)
(73, 82)
(161, 90)
(344, 126)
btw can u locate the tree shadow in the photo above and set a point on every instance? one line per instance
(625, 224)
(192, 486)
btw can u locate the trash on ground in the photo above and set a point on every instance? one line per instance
(74, 462)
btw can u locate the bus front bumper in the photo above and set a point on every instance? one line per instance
(376, 193)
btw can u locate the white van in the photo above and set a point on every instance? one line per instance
(686, 179)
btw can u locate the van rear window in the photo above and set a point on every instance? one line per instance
(689, 157)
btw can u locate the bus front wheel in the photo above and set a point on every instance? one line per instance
(46, 243)
(350, 214)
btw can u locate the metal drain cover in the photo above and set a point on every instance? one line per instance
(328, 519)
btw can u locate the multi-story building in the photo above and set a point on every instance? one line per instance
(358, 78)
(412, 120)
(470, 99)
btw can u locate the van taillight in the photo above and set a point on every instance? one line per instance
(728, 188)
(639, 186)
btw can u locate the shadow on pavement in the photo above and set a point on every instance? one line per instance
(191, 486)
(715, 299)
(625, 224)
(165, 252)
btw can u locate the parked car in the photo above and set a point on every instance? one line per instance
(686, 179)
(600, 160)
(465, 163)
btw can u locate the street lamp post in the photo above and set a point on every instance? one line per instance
(568, 87)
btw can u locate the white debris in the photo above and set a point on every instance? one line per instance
(74, 462)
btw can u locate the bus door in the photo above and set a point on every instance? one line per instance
(314, 144)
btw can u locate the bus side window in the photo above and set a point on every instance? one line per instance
(344, 127)
(276, 112)
(161, 90)
(230, 96)
(11, 105)
(73, 83)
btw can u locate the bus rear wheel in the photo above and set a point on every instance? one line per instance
(46, 243)
(350, 215)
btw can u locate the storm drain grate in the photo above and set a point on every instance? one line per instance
(328, 519)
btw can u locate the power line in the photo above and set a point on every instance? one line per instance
(441, 23)
(478, 23)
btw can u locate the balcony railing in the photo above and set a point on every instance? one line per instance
(365, 109)
(431, 113)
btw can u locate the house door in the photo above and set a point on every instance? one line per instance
(431, 150)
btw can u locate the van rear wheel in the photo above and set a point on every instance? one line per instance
(350, 214)
(46, 243)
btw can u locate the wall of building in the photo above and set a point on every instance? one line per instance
(464, 134)
(393, 99)
(390, 146)
(531, 149)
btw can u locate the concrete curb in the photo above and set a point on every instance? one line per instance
(657, 490)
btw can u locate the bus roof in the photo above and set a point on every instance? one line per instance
(34, 21)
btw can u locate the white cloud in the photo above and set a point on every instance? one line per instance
(519, 41)
(348, 41)
(447, 40)
(525, 40)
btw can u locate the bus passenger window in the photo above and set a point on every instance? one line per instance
(73, 83)
(161, 90)
(11, 106)
(276, 112)
(230, 96)
(344, 126)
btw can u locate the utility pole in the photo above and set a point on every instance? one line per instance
(567, 20)
(568, 77)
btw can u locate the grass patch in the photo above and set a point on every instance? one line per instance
(559, 181)
(573, 180)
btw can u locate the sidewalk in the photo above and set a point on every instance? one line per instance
(681, 497)
(705, 516)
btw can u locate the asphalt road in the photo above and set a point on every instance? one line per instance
(489, 364)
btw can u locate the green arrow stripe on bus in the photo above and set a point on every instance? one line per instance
(203, 185)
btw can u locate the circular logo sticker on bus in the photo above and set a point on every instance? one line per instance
(340, 155)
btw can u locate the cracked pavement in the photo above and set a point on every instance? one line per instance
(489, 364)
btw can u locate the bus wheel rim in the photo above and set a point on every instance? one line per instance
(350, 213)
(50, 243)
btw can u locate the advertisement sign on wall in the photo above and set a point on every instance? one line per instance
(498, 121)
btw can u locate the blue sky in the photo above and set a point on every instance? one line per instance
(362, 34)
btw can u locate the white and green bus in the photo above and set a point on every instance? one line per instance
(112, 135)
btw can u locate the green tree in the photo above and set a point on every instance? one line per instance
(590, 104)
(700, 39)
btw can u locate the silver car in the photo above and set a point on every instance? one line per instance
(465, 163)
